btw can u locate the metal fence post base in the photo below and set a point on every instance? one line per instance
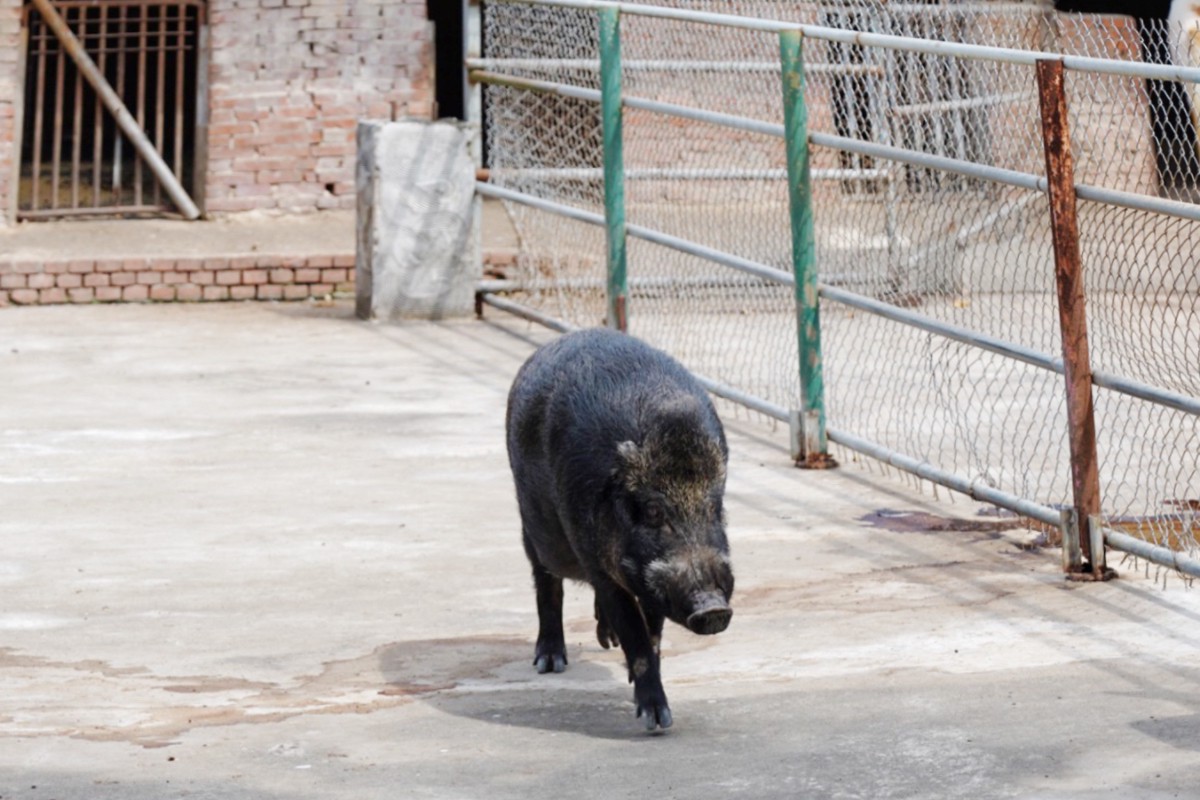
(1072, 552)
(804, 431)
(1076, 568)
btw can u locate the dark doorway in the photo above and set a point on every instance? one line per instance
(75, 159)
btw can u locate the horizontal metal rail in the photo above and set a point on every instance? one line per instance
(969, 169)
(525, 312)
(590, 217)
(953, 332)
(1153, 553)
(1138, 202)
(976, 52)
(684, 174)
(962, 104)
(646, 65)
(975, 489)
(750, 401)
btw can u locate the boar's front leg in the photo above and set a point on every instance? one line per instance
(623, 615)
(551, 651)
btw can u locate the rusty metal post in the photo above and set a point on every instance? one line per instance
(1072, 316)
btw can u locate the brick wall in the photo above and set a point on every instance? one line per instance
(288, 81)
(110, 280)
(10, 26)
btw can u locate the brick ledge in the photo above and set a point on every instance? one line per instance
(136, 280)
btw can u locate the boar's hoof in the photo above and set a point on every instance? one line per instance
(710, 620)
(547, 662)
(657, 716)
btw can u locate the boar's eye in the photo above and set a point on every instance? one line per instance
(653, 514)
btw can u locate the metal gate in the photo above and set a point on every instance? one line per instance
(115, 106)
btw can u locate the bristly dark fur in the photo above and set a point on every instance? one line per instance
(619, 461)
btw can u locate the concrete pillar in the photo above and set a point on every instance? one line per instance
(418, 235)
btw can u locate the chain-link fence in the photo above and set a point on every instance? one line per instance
(898, 221)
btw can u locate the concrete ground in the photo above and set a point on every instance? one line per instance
(269, 551)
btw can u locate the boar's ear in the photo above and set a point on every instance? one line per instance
(631, 464)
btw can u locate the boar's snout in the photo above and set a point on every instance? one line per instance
(711, 614)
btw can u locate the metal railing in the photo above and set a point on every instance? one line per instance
(1080, 519)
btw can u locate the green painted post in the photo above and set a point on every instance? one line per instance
(814, 452)
(614, 165)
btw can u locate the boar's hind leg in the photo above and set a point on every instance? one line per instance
(551, 651)
(622, 613)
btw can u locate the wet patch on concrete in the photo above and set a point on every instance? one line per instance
(925, 522)
(389, 676)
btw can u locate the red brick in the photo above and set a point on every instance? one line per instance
(229, 277)
(123, 279)
(51, 296)
(243, 262)
(55, 267)
(269, 292)
(82, 295)
(96, 279)
(321, 289)
(108, 294)
(242, 292)
(70, 281)
(23, 297)
(189, 292)
(295, 291)
(13, 281)
(81, 265)
(110, 265)
(149, 278)
(282, 275)
(162, 292)
(320, 262)
(254, 277)
(345, 260)
(189, 264)
(135, 294)
(333, 275)
(175, 278)
(27, 267)
(216, 292)
(162, 264)
(3, 299)
(135, 265)
(308, 275)
(202, 278)
(40, 281)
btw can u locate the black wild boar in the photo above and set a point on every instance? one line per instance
(619, 462)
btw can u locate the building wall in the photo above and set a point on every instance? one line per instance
(10, 28)
(289, 80)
